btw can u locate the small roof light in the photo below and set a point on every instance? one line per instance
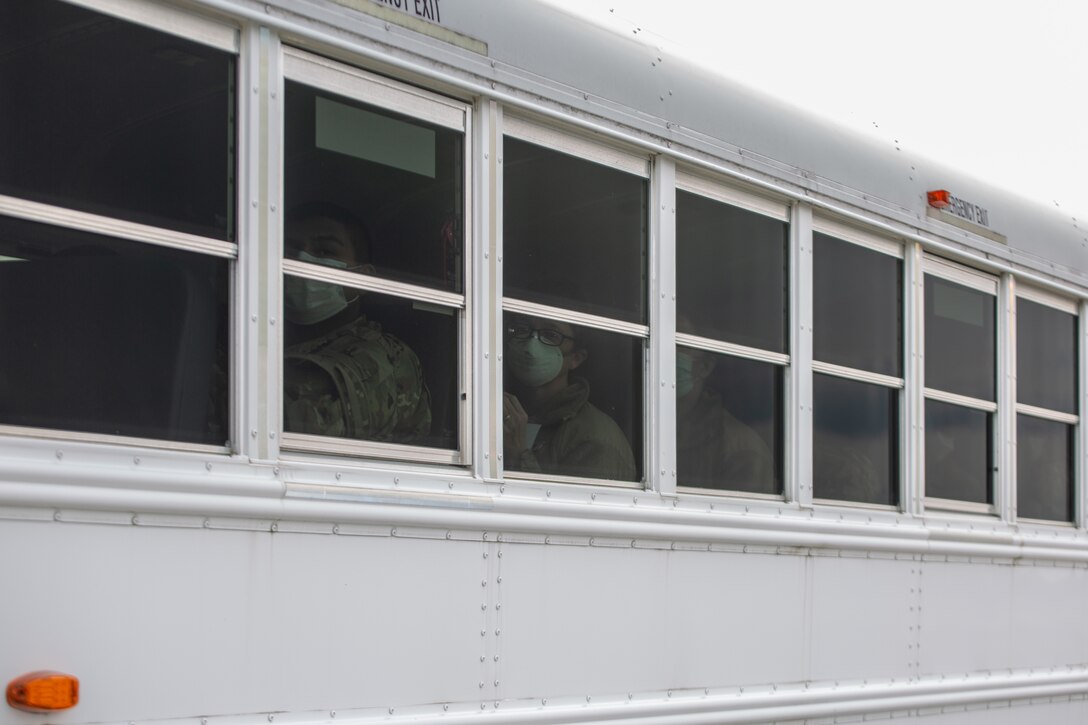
(43, 691)
(939, 199)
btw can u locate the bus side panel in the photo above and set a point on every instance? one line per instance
(987, 616)
(168, 622)
(725, 619)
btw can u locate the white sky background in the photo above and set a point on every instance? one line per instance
(998, 89)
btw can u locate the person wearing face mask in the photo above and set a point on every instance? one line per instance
(549, 425)
(343, 376)
(714, 449)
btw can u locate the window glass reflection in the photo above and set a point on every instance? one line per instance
(1044, 469)
(728, 432)
(101, 335)
(731, 265)
(958, 453)
(857, 307)
(574, 233)
(573, 400)
(856, 428)
(114, 118)
(399, 178)
(959, 324)
(1046, 357)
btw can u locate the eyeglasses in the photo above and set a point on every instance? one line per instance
(546, 335)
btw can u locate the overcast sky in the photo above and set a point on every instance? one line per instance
(998, 89)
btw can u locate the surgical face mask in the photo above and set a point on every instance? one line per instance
(307, 301)
(532, 362)
(685, 381)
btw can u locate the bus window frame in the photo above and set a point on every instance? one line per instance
(219, 35)
(1064, 304)
(779, 209)
(331, 76)
(996, 287)
(570, 143)
(897, 249)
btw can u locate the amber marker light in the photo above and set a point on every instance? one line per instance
(43, 691)
(939, 199)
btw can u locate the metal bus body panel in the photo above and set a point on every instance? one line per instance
(243, 616)
(416, 593)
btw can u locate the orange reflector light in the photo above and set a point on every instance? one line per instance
(43, 691)
(939, 199)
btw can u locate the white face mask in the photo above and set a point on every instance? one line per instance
(307, 301)
(532, 362)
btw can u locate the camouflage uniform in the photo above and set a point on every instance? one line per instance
(577, 439)
(356, 382)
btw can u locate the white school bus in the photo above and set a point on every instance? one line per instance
(452, 361)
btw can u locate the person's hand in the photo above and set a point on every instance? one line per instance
(514, 420)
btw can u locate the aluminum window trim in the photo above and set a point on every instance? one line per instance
(581, 482)
(296, 268)
(1048, 299)
(1045, 522)
(568, 143)
(1047, 414)
(729, 348)
(582, 319)
(963, 401)
(117, 228)
(861, 376)
(73, 436)
(722, 493)
(170, 20)
(408, 453)
(965, 507)
(335, 77)
(966, 276)
(733, 195)
(856, 235)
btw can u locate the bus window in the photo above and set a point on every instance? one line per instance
(731, 274)
(574, 233)
(858, 329)
(102, 335)
(116, 119)
(553, 373)
(960, 381)
(1046, 420)
(728, 432)
(375, 195)
(574, 238)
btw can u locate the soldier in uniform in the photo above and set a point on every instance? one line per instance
(549, 425)
(344, 376)
(714, 448)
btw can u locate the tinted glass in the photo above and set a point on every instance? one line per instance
(1046, 356)
(114, 118)
(958, 453)
(855, 441)
(1044, 469)
(731, 273)
(959, 339)
(858, 310)
(574, 233)
(378, 368)
(101, 335)
(729, 428)
(572, 400)
(399, 181)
